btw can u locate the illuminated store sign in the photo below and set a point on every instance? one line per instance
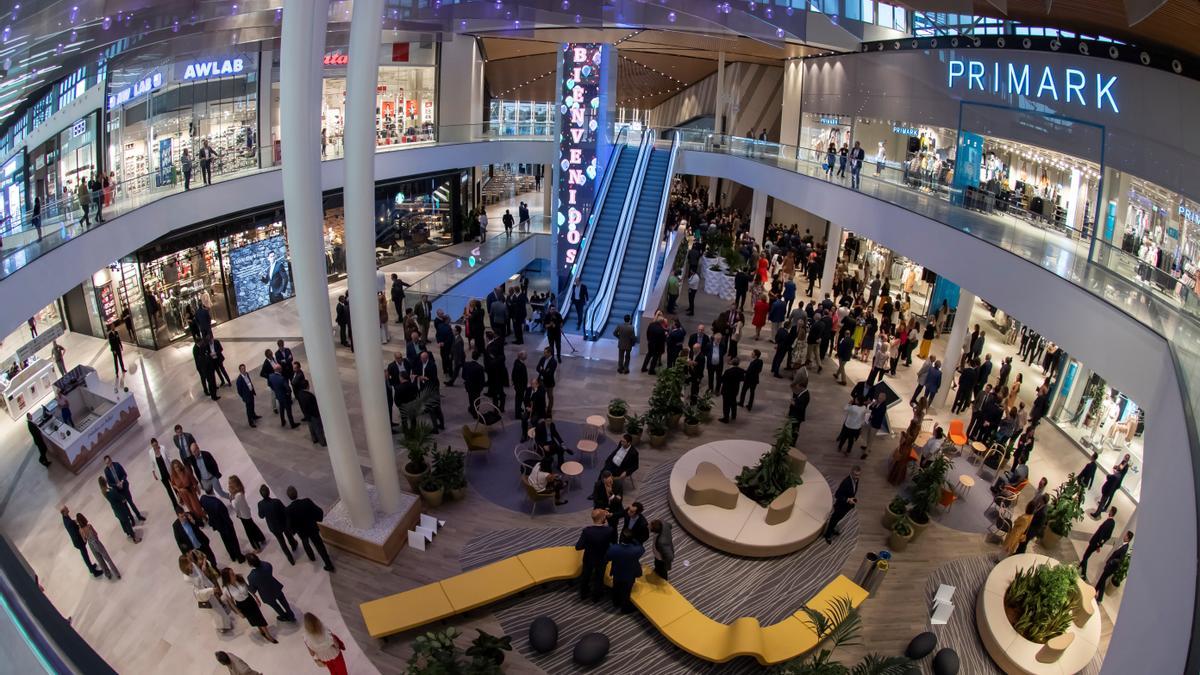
(905, 131)
(205, 69)
(1069, 85)
(337, 58)
(831, 121)
(1189, 214)
(140, 88)
(578, 112)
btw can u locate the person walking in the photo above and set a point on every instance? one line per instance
(326, 649)
(120, 508)
(731, 384)
(89, 535)
(274, 514)
(579, 299)
(245, 603)
(84, 198)
(206, 590)
(77, 540)
(845, 498)
(160, 470)
(876, 419)
(283, 396)
(664, 548)
(118, 481)
(507, 219)
(750, 383)
(1098, 540)
(234, 664)
(262, 581)
(117, 349)
(241, 509)
(852, 424)
(303, 516)
(206, 156)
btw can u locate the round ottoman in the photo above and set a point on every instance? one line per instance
(945, 662)
(591, 649)
(921, 646)
(543, 634)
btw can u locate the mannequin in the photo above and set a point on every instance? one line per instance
(1108, 412)
(880, 158)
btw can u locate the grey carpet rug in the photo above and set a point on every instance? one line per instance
(968, 575)
(722, 586)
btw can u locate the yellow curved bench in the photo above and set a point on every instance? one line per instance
(677, 619)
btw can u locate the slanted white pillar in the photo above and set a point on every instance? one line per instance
(718, 122)
(954, 347)
(833, 248)
(266, 146)
(793, 87)
(302, 44)
(460, 98)
(362, 76)
(758, 215)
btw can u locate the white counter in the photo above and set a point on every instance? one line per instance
(25, 391)
(100, 414)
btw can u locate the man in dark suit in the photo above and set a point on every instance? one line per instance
(623, 460)
(407, 392)
(118, 481)
(204, 465)
(594, 541)
(265, 372)
(204, 367)
(553, 323)
(189, 536)
(750, 383)
(1100, 538)
(731, 385)
(783, 347)
(245, 390)
(535, 405)
(635, 523)
(274, 513)
(303, 516)
(269, 589)
(474, 379)
(430, 386)
(77, 541)
(696, 366)
(204, 321)
(283, 396)
(216, 354)
(283, 356)
(579, 299)
(1041, 405)
(183, 441)
(518, 311)
(117, 349)
(277, 278)
(547, 367)
(1112, 563)
(443, 334)
(625, 557)
(312, 413)
(341, 316)
(656, 343)
(1087, 475)
(218, 517)
(1111, 485)
(397, 291)
(967, 378)
(844, 501)
(548, 441)
(675, 339)
(520, 383)
(39, 440)
(497, 369)
(717, 349)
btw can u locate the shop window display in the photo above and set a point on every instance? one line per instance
(46, 319)
(176, 284)
(1105, 421)
(404, 108)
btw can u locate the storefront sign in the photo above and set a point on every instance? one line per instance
(399, 53)
(1189, 214)
(831, 121)
(905, 131)
(1049, 84)
(140, 88)
(79, 128)
(107, 301)
(427, 112)
(200, 70)
(578, 111)
(336, 58)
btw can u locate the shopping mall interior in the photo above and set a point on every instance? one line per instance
(513, 334)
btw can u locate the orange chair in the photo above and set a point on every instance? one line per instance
(947, 498)
(957, 436)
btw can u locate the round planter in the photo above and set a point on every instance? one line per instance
(889, 518)
(433, 497)
(457, 494)
(616, 424)
(1050, 538)
(706, 415)
(673, 420)
(658, 441)
(897, 542)
(692, 429)
(637, 438)
(414, 479)
(918, 528)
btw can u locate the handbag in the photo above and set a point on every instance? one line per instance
(204, 604)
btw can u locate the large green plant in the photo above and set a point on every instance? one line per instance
(435, 653)
(450, 468)
(927, 487)
(1122, 570)
(1097, 391)
(768, 479)
(666, 398)
(1041, 598)
(838, 627)
(418, 441)
(1066, 507)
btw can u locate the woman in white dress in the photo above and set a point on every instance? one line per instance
(206, 593)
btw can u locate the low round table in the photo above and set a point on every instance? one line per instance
(596, 421)
(965, 483)
(571, 470)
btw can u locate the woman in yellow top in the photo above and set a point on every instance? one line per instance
(1017, 534)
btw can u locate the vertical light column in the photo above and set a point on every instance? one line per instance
(833, 248)
(718, 122)
(460, 90)
(362, 76)
(793, 87)
(266, 96)
(758, 215)
(302, 42)
(954, 346)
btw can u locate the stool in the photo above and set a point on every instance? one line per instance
(980, 452)
(965, 483)
(597, 423)
(571, 470)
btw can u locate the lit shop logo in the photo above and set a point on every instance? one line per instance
(905, 131)
(1008, 78)
(143, 86)
(577, 120)
(1189, 214)
(336, 59)
(831, 121)
(204, 69)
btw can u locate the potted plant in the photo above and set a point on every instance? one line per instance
(432, 491)
(1040, 601)
(487, 653)
(926, 491)
(634, 425)
(656, 424)
(704, 406)
(450, 471)
(902, 533)
(897, 508)
(691, 421)
(617, 410)
(1122, 570)
(434, 652)
(1064, 510)
(417, 441)
(674, 413)
(773, 474)
(839, 625)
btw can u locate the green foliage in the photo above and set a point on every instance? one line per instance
(898, 506)
(450, 468)
(1097, 392)
(903, 526)
(1066, 507)
(838, 627)
(773, 474)
(705, 402)
(1042, 597)
(691, 414)
(618, 407)
(418, 441)
(1122, 570)
(666, 398)
(435, 653)
(927, 487)
(657, 424)
(488, 649)
(634, 424)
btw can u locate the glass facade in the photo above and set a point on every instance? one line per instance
(405, 107)
(521, 118)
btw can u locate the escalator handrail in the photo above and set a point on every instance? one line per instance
(600, 306)
(614, 156)
(656, 242)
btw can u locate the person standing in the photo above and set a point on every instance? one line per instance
(594, 541)
(852, 424)
(397, 293)
(207, 470)
(844, 353)
(245, 390)
(844, 501)
(625, 556)
(88, 533)
(278, 382)
(876, 418)
(204, 367)
(1113, 563)
(311, 412)
(160, 470)
(119, 508)
(118, 481)
(84, 198)
(507, 219)
(553, 322)
(204, 578)
(656, 343)
(675, 339)
(216, 354)
(185, 163)
(1037, 524)
(325, 648)
(1111, 485)
(520, 383)
(750, 383)
(262, 581)
(731, 385)
(1099, 539)
(117, 349)
(693, 287)
(59, 353)
(77, 540)
(342, 319)
(303, 517)
(1087, 475)
(206, 156)
(39, 439)
(579, 299)
(218, 519)
(664, 548)
(798, 409)
(933, 382)
(626, 337)
(274, 514)
(672, 291)
(241, 509)
(245, 602)
(547, 367)
(856, 161)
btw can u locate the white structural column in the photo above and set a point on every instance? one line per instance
(301, 49)
(266, 147)
(460, 89)
(793, 87)
(833, 249)
(718, 122)
(362, 76)
(758, 215)
(954, 346)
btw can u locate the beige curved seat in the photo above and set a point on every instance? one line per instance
(709, 486)
(798, 461)
(780, 508)
(1086, 606)
(1054, 648)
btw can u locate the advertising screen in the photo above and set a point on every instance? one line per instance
(261, 274)
(579, 129)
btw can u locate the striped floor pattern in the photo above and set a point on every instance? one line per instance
(724, 587)
(968, 575)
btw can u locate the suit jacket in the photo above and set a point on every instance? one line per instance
(77, 540)
(182, 443)
(274, 513)
(535, 401)
(626, 561)
(1087, 475)
(268, 367)
(583, 294)
(656, 337)
(664, 545)
(601, 500)
(216, 351)
(277, 281)
(731, 381)
(1103, 533)
(846, 491)
(520, 375)
(753, 371)
(279, 385)
(308, 404)
(245, 387)
(474, 377)
(181, 538)
(799, 406)
(1118, 554)
(303, 516)
(546, 367)
(210, 465)
(628, 465)
(638, 526)
(284, 358)
(625, 336)
(115, 474)
(594, 541)
(544, 433)
(262, 581)
(217, 513)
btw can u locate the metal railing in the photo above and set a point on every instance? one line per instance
(657, 241)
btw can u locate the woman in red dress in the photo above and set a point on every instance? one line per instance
(760, 315)
(324, 647)
(763, 269)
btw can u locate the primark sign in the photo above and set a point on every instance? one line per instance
(1045, 84)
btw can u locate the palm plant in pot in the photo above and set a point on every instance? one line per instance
(656, 424)
(839, 626)
(1065, 509)
(634, 424)
(704, 406)
(417, 441)
(617, 409)
(926, 490)
(691, 420)
(902, 533)
(450, 471)
(897, 508)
